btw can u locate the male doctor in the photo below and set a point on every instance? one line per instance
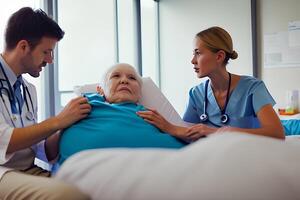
(30, 38)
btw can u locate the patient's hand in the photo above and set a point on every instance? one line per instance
(100, 90)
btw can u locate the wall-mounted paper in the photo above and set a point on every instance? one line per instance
(282, 49)
(294, 33)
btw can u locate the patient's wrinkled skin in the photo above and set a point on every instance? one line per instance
(122, 84)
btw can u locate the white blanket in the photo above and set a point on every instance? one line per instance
(229, 166)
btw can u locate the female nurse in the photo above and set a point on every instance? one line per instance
(225, 101)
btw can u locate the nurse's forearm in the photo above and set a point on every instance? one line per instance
(178, 131)
(275, 132)
(25, 137)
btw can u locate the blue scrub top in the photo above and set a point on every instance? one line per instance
(249, 96)
(113, 125)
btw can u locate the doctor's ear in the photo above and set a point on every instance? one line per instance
(23, 46)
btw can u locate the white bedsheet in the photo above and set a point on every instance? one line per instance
(229, 166)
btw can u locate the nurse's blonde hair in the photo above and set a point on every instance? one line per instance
(216, 38)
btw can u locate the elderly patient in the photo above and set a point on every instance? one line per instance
(113, 121)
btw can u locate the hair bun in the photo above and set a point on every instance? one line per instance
(233, 55)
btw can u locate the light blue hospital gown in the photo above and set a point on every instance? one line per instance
(249, 96)
(113, 125)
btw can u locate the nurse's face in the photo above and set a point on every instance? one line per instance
(123, 85)
(204, 60)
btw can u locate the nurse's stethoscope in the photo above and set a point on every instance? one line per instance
(10, 94)
(224, 117)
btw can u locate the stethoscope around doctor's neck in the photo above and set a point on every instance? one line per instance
(10, 94)
(224, 117)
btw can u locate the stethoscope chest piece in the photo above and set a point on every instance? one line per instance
(13, 117)
(203, 117)
(29, 116)
(224, 118)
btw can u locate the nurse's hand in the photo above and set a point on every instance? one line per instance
(153, 117)
(77, 109)
(195, 132)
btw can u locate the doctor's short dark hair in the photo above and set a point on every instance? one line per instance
(30, 25)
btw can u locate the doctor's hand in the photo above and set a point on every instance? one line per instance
(77, 109)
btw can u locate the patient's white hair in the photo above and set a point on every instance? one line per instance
(105, 78)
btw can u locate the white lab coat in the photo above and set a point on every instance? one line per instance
(22, 159)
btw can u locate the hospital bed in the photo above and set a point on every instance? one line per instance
(224, 166)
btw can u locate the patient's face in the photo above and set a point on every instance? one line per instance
(122, 85)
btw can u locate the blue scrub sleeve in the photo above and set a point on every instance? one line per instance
(261, 97)
(191, 114)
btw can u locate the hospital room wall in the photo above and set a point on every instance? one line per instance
(180, 21)
(273, 17)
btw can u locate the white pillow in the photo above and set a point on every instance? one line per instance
(152, 98)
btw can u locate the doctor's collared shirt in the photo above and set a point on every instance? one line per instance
(22, 159)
